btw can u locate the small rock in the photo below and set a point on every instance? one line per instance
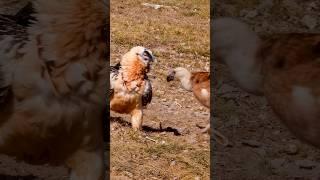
(291, 149)
(262, 152)
(277, 132)
(291, 5)
(155, 6)
(277, 163)
(173, 163)
(309, 21)
(312, 6)
(129, 174)
(265, 4)
(252, 14)
(251, 143)
(306, 164)
(154, 157)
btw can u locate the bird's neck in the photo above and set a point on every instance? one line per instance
(132, 75)
(132, 71)
(245, 67)
(186, 82)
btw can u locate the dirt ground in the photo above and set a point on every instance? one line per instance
(262, 147)
(178, 35)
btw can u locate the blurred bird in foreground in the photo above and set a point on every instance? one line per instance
(284, 68)
(53, 84)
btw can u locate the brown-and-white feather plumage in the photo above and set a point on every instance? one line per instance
(199, 84)
(13, 33)
(55, 74)
(130, 88)
(283, 67)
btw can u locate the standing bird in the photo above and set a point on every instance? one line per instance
(130, 88)
(199, 84)
(52, 86)
(284, 68)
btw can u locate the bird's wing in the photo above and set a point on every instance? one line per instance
(291, 72)
(25, 16)
(201, 87)
(114, 72)
(13, 37)
(147, 92)
(199, 77)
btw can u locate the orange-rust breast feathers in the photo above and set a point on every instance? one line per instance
(133, 70)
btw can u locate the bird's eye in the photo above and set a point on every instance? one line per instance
(147, 56)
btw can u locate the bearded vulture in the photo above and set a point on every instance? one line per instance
(130, 88)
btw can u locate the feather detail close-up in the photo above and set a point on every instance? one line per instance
(52, 85)
(283, 67)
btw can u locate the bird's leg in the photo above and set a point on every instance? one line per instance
(136, 119)
(206, 129)
(221, 139)
(85, 165)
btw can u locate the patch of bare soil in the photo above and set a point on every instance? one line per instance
(262, 147)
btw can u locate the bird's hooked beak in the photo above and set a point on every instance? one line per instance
(147, 56)
(171, 75)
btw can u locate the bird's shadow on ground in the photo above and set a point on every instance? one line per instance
(9, 177)
(122, 122)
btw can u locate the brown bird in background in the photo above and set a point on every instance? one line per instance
(53, 84)
(130, 88)
(284, 68)
(199, 84)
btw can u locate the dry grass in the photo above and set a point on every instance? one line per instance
(179, 36)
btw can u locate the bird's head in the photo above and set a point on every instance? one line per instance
(142, 54)
(179, 73)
